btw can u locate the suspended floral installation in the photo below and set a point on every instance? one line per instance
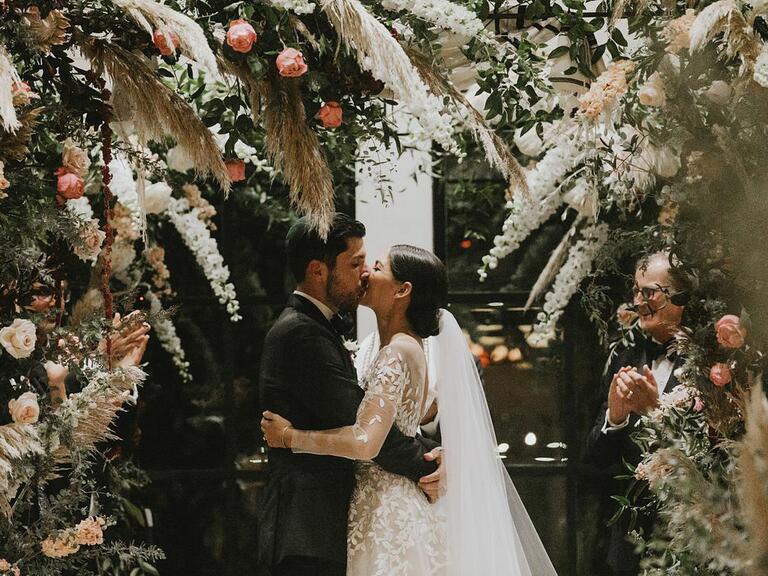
(664, 150)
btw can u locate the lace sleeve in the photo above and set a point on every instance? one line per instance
(363, 440)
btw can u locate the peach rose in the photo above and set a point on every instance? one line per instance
(69, 186)
(4, 565)
(90, 532)
(236, 170)
(290, 63)
(652, 92)
(730, 332)
(92, 238)
(19, 338)
(22, 93)
(330, 114)
(698, 404)
(74, 159)
(719, 93)
(24, 409)
(720, 374)
(241, 36)
(160, 40)
(59, 546)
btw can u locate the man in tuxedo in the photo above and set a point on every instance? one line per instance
(635, 379)
(307, 375)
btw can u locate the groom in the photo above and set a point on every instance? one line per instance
(307, 375)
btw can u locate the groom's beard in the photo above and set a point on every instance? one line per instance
(344, 300)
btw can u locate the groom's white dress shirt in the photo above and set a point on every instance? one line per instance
(661, 368)
(327, 312)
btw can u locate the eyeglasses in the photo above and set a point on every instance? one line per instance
(650, 292)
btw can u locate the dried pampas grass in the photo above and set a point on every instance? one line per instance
(153, 16)
(554, 263)
(17, 441)
(293, 148)
(710, 21)
(14, 146)
(156, 109)
(8, 77)
(496, 151)
(49, 31)
(752, 482)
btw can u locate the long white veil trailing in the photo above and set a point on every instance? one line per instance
(489, 530)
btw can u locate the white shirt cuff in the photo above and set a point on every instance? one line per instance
(609, 426)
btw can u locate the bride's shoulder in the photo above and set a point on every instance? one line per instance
(406, 346)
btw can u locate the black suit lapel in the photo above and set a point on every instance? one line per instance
(306, 307)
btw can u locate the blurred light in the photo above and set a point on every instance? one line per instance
(530, 439)
(544, 459)
(555, 445)
(503, 448)
(466, 243)
(496, 304)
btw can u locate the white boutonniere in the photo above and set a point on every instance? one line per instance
(352, 347)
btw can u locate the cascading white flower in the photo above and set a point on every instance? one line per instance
(576, 267)
(295, 6)
(197, 237)
(760, 73)
(441, 13)
(8, 77)
(169, 339)
(528, 212)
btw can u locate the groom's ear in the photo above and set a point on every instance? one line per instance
(317, 270)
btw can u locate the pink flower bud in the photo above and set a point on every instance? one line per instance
(236, 170)
(290, 63)
(330, 115)
(720, 374)
(160, 40)
(241, 36)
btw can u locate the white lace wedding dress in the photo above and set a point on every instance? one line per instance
(393, 529)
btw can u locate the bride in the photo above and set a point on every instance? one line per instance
(479, 525)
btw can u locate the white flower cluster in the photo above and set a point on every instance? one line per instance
(528, 212)
(197, 237)
(169, 339)
(761, 67)
(295, 6)
(580, 258)
(441, 13)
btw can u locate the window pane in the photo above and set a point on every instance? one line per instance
(522, 382)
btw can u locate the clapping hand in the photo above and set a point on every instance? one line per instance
(632, 392)
(129, 342)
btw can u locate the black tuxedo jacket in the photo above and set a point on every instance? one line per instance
(308, 377)
(609, 452)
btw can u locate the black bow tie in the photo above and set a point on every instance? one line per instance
(342, 324)
(653, 349)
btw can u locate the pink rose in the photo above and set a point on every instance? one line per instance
(730, 332)
(241, 36)
(290, 63)
(160, 40)
(698, 404)
(720, 374)
(330, 114)
(236, 170)
(69, 186)
(24, 409)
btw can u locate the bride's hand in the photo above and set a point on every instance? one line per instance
(276, 430)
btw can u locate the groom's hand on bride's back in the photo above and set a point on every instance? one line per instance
(432, 484)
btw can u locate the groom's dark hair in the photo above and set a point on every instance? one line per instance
(304, 243)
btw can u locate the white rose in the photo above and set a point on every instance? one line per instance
(178, 160)
(19, 338)
(529, 143)
(652, 92)
(719, 93)
(24, 410)
(666, 162)
(157, 197)
(80, 207)
(92, 238)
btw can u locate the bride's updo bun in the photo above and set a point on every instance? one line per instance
(429, 281)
